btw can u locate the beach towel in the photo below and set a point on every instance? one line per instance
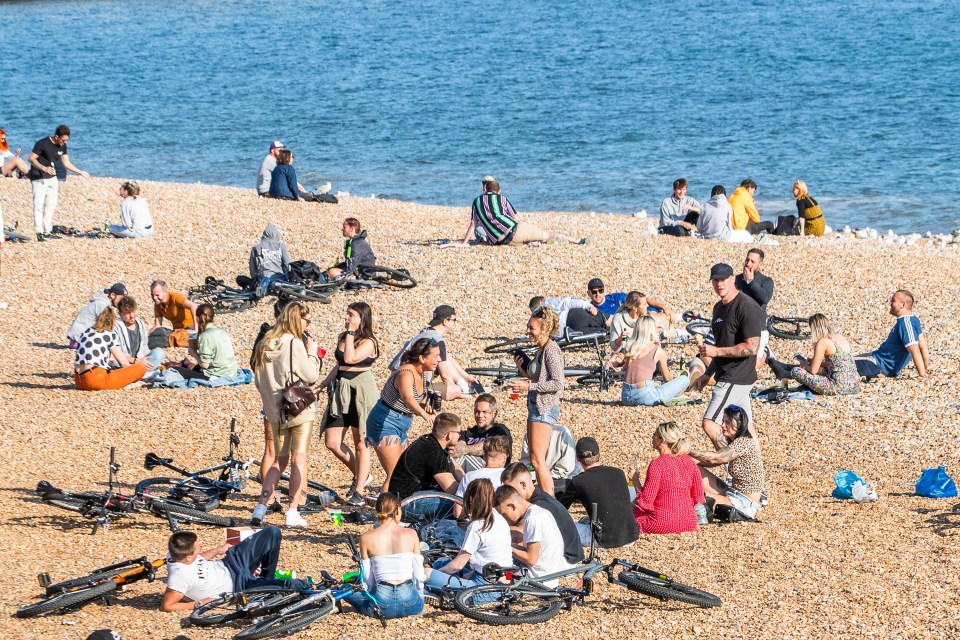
(171, 379)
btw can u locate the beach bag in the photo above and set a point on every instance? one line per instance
(845, 481)
(935, 483)
(159, 339)
(786, 226)
(304, 271)
(297, 396)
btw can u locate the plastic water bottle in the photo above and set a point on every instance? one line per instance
(701, 514)
(106, 225)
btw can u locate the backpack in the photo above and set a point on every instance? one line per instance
(304, 271)
(786, 226)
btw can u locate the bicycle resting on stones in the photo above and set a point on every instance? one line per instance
(513, 596)
(106, 506)
(228, 299)
(72, 594)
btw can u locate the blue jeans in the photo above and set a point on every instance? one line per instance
(386, 426)
(123, 232)
(395, 601)
(155, 358)
(438, 581)
(262, 549)
(649, 394)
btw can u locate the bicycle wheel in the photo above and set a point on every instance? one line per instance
(182, 513)
(232, 304)
(255, 602)
(613, 376)
(494, 372)
(399, 278)
(509, 345)
(668, 589)
(699, 328)
(67, 599)
(190, 492)
(72, 501)
(290, 291)
(287, 623)
(427, 507)
(788, 328)
(501, 604)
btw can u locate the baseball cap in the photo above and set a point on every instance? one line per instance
(720, 271)
(587, 448)
(595, 283)
(441, 313)
(276, 144)
(118, 290)
(104, 634)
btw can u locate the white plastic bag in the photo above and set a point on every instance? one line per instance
(864, 493)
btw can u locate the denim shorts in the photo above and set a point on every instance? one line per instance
(386, 426)
(551, 417)
(395, 601)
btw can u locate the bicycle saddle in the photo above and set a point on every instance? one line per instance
(152, 460)
(44, 487)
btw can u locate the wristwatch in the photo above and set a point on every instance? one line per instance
(351, 333)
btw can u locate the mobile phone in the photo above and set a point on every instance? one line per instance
(799, 357)
(478, 388)
(519, 353)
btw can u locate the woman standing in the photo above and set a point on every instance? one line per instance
(667, 497)
(353, 395)
(391, 565)
(832, 371)
(214, 353)
(811, 217)
(285, 354)
(404, 395)
(641, 359)
(544, 390)
(283, 180)
(97, 345)
(135, 218)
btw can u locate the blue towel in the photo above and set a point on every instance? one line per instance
(171, 379)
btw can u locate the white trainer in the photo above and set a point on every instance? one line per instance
(294, 519)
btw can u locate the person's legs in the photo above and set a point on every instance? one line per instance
(155, 358)
(50, 204)
(333, 439)
(633, 395)
(538, 435)
(669, 390)
(437, 581)
(759, 227)
(714, 487)
(586, 533)
(190, 374)
(821, 385)
(269, 451)
(299, 459)
(583, 320)
(363, 460)
(119, 378)
(526, 232)
(674, 230)
(262, 550)
(39, 196)
(120, 231)
(389, 450)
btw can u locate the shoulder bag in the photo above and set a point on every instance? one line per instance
(297, 395)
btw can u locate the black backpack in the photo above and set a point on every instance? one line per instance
(304, 272)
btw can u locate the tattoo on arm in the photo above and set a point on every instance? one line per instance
(746, 353)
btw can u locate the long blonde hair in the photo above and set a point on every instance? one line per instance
(644, 333)
(291, 320)
(801, 188)
(672, 436)
(819, 327)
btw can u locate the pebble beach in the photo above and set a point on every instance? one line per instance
(814, 567)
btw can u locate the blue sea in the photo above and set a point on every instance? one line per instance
(573, 106)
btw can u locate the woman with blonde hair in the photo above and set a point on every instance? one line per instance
(391, 565)
(641, 358)
(811, 217)
(625, 319)
(832, 371)
(286, 354)
(667, 497)
(544, 387)
(96, 346)
(135, 218)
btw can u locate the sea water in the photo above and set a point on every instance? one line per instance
(573, 106)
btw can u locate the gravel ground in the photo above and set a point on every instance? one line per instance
(814, 568)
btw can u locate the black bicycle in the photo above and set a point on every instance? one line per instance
(788, 328)
(399, 278)
(196, 487)
(570, 340)
(110, 505)
(222, 297)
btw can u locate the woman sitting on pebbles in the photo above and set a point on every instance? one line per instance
(96, 345)
(667, 498)
(744, 465)
(641, 359)
(624, 321)
(135, 218)
(283, 180)
(832, 371)
(811, 217)
(214, 353)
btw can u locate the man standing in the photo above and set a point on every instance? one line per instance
(47, 153)
(469, 450)
(759, 287)
(266, 168)
(745, 214)
(173, 306)
(679, 212)
(905, 342)
(87, 316)
(736, 330)
(607, 488)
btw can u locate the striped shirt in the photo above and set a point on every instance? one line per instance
(392, 398)
(495, 215)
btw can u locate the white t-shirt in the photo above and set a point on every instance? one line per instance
(199, 580)
(491, 474)
(488, 546)
(539, 526)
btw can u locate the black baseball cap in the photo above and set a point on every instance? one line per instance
(104, 634)
(595, 283)
(441, 313)
(118, 289)
(587, 448)
(721, 271)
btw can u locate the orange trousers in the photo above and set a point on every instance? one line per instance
(98, 378)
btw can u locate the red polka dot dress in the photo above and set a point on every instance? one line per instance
(665, 502)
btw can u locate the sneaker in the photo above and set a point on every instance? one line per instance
(355, 499)
(259, 513)
(294, 519)
(586, 240)
(763, 499)
(40, 238)
(3, 305)
(275, 506)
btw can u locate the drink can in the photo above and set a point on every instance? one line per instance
(285, 574)
(336, 517)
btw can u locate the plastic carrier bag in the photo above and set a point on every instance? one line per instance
(845, 481)
(935, 483)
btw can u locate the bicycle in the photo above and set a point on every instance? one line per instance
(788, 328)
(74, 593)
(526, 599)
(108, 505)
(11, 234)
(223, 298)
(569, 341)
(196, 488)
(697, 324)
(324, 496)
(399, 278)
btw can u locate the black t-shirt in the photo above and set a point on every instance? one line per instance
(48, 155)
(572, 550)
(732, 324)
(417, 465)
(607, 488)
(473, 436)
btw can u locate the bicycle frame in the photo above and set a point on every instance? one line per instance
(228, 468)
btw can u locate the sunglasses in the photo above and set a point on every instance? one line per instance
(596, 290)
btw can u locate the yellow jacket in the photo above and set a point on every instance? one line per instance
(744, 208)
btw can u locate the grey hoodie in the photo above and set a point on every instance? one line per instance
(271, 256)
(88, 316)
(716, 215)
